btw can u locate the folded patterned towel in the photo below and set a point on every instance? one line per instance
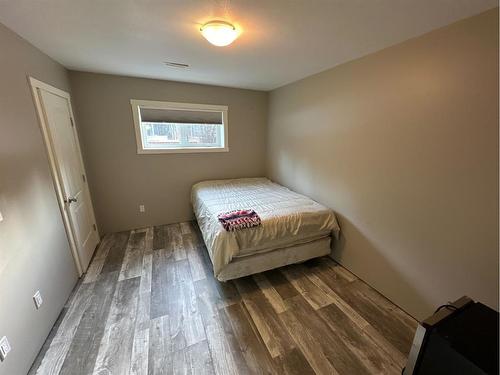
(239, 219)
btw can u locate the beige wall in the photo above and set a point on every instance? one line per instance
(120, 179)
(34, 251)
(403, 145)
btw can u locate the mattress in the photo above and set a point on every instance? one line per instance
(288, 218)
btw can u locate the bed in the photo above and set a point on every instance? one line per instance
(294, 227)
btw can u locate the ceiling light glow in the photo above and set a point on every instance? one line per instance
(219, 33)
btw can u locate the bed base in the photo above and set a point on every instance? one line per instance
(248, 265)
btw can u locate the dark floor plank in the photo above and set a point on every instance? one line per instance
(314, 295)
(309, 345)
(343, 300)
(294, 363)
(274, 333)
(281, 284)
(385, 322)
(362, 346)
(270, 293)
(159, 237)
(326, 265)
(305, 319)
(116, 252)
(391, 310)
(251, 346)
(337, 300)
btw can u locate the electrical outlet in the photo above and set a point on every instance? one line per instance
(4, 348)
(37, 298)
(142, 208)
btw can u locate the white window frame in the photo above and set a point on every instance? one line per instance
(151, 104)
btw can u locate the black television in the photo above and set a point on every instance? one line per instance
(459, 338)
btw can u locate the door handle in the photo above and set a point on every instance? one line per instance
(70, 200)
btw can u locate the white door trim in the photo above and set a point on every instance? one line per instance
(54, 166)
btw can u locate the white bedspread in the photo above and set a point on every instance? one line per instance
(287, 218)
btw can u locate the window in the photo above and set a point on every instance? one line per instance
(164, 127)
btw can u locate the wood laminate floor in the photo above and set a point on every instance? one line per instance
(149, 304)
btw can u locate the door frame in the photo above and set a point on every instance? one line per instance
(54, 165)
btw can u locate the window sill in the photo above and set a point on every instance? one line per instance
(183, 150)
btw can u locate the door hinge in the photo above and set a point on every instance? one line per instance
(83, 176)
(71, 119)
(95, 228)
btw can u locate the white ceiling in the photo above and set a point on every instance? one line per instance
(282, 40)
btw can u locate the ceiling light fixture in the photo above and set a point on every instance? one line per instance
(219, 33)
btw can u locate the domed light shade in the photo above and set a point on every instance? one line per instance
(219, 33)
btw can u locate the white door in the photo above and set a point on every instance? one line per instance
(69, 174)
